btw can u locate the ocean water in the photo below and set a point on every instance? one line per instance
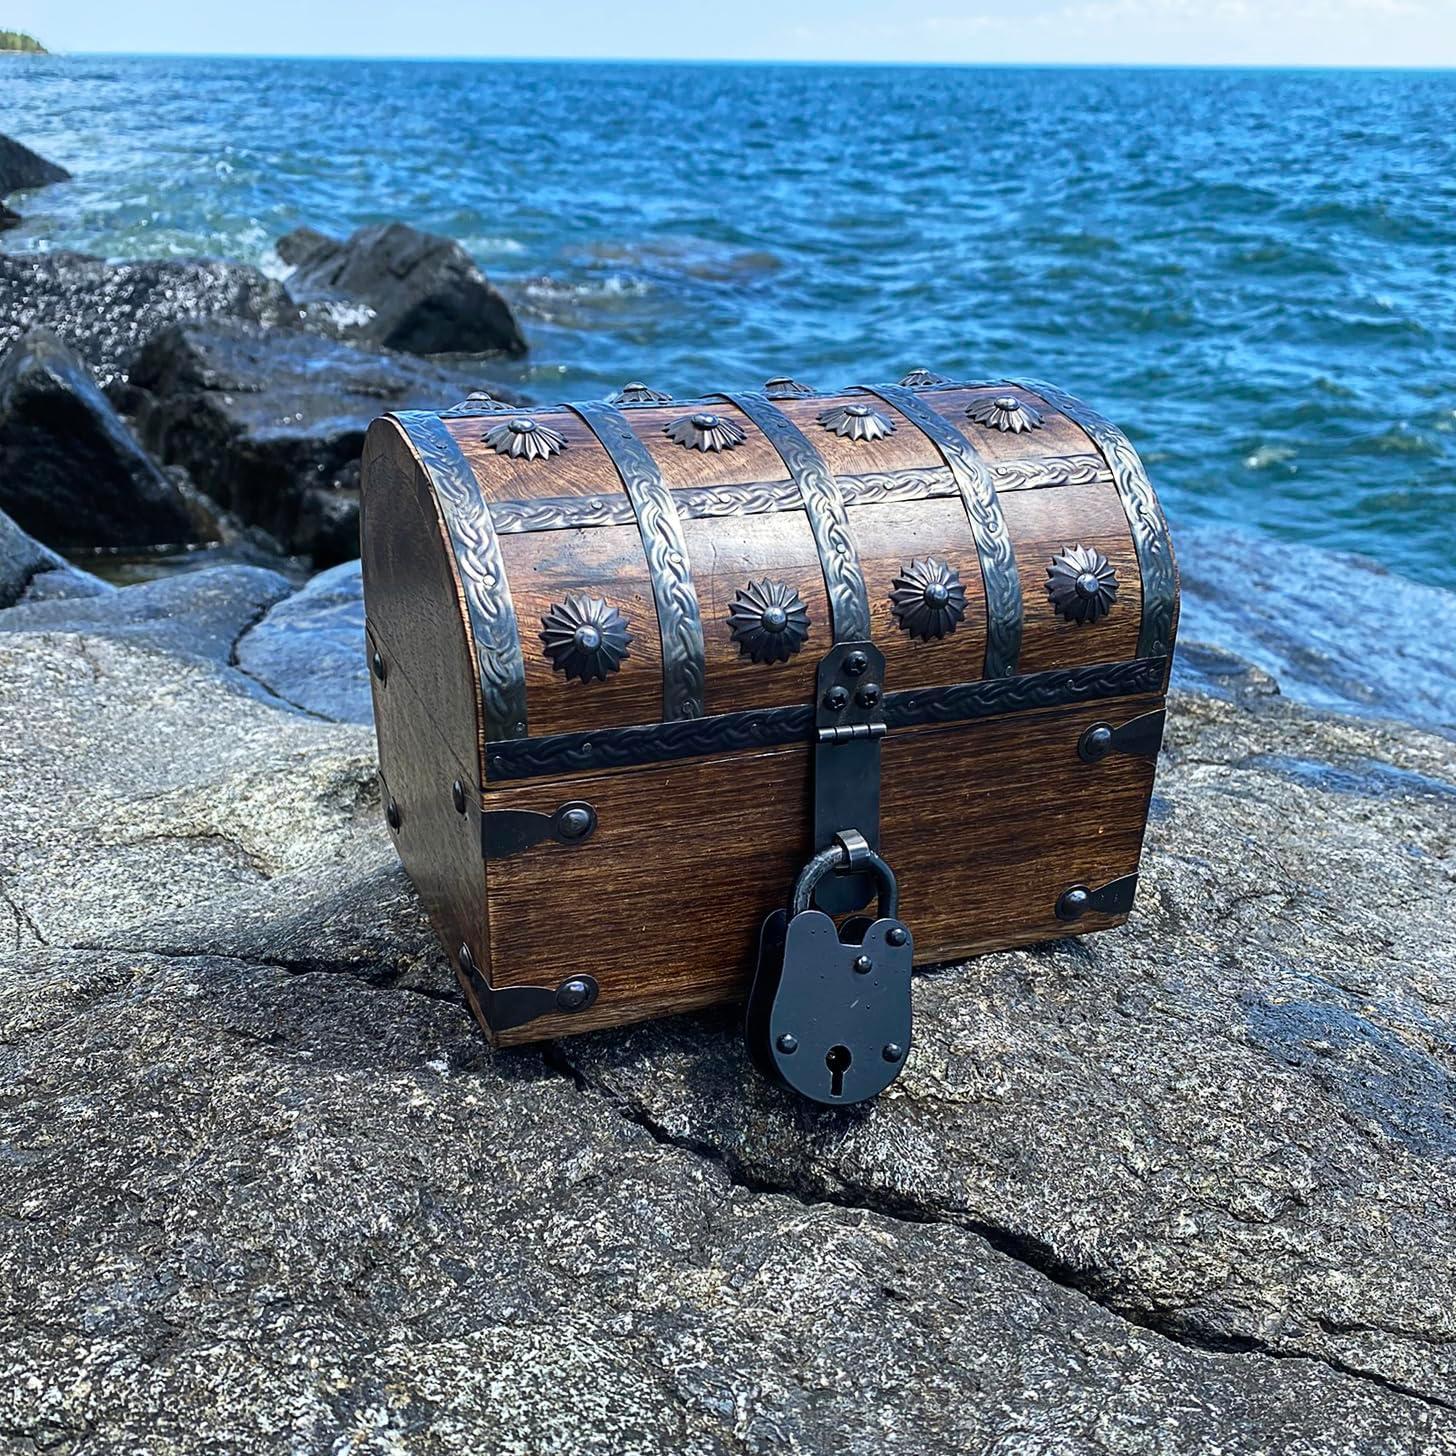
(1253, 272)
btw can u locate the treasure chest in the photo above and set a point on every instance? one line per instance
(763, 697)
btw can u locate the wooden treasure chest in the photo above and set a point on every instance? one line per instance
(763, 696)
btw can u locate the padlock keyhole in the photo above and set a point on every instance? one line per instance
(837, 1060)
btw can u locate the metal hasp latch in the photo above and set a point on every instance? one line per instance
(849, 722)
(829, 1010)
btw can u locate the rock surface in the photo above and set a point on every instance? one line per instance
(402, 289)
(1180, 1188)
(32, 572)
(270, 422)
(309, 650)
(107, 311)
(1335, 630)
(21, 169)
(70, 470)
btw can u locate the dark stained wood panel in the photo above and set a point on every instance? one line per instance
(986, 824)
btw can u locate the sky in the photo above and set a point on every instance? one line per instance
(1152, 32)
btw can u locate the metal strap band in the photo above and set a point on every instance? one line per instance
(849, 603)
(679, 620)
(988, 526)
(482, 574)
(771, 727)
(1145, 517)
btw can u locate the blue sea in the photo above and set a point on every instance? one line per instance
(1253, 272)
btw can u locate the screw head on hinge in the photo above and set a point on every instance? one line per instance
(868, 696)
(1095, 743)
(575, 994)
(1074, 903)
(836, 698)
(856, 663)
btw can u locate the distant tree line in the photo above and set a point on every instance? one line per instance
(16, 40)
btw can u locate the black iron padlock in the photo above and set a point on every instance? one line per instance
(829, 1009)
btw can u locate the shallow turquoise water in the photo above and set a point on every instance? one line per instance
(1252, 271)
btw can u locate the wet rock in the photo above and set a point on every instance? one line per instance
(1334, 630)
(202, 613)
(309, 649)
(21, 169)
(107, 311)
(70, 471)
(264, 1180)
(32, 572)
(400, 288)
(268, 420)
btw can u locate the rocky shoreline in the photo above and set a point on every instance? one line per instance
(1179, 1188)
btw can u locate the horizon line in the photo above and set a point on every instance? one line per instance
(881, 64)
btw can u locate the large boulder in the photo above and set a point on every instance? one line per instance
(1181, 1188)
(21, 169)
(271, 422)
(70, 471)
(106, 311)
(401, 289)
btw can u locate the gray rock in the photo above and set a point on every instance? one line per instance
(201, 613)
(402, 289)
(1335, 630)
(107, 311)
(1180, 1188)
(265, 420)
(30, 571)
(21, 169)
(309, 649)
(71, 472)
(9, 218)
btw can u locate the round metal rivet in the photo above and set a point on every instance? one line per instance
(836, 698)
(868, 695)
(457, 792)
(377, 663)
(572, 995)
(863, 964)
(788, 1042)
(576, 822)
(856, 663)
(391, 814)
(896, 935)
(705, 421)
(892, 1051)
(1096, 742)
(1073, 903)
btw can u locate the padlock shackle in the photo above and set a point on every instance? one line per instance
(848, 853)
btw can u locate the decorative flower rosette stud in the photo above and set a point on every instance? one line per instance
(927, 598)
(857, 422)
(1082, 584)
(523, 438)
(1004, 412)
(922, 379)
(704, 431)
(479, 402)
(585, 637)
(638, 393)
(782, 387)
(768, 620)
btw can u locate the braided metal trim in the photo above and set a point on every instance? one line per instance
(1145, 517)
(733, 732)
(988, 526)
(482, 573)
(567, 512)
(679, 619)
(849, 602)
